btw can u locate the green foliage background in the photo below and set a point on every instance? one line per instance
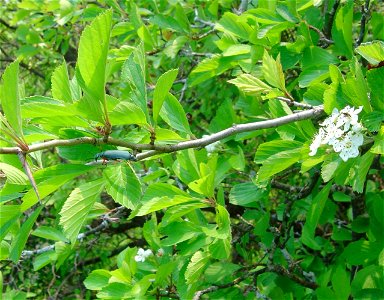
(247, 215)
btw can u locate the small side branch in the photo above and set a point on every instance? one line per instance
(329, 21)
(364, 17)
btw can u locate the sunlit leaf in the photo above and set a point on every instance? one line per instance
(77, 207)
(163, 85)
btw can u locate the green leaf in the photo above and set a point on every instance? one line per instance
(123, 185)
(10, 99)
(161, 202)
(313, 75)
(91, 65)
(325, 293)
(164, 272)
(164, 136)
(361, 252)
(266, 150)
(356, 87)
(373, 120)
(133, 72)
(220, 249)
(368, 283)
(126, 113)
(44, 107)
(224, 224)
(146, 36)
(164, 190)
(247, 194)
(10, 214)
(220, 271)
(313, 217)
(115, 290)
(176, 212)
(196, 266)
(173, 114)
(211, 67)
(273, 71)
(361, 168)
(315, 56)
(77, 207)
(167, 22)
(13, 175)
(235, 24)
(61, 88)
(97, 279)
(340, 283)
(44, 259)
(341, 197)
(378, 146)
(49, 233)
(178, 232)
(277, 163)
(49, 181)
(266, 16)
(342, 30)
(18, 244)
(175, 46)
(375, 78)
(373, 52)
(163, 85)
(250, 85)
(63, 250)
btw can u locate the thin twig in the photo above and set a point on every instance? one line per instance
(364, 17)
(331, 17)
(323, 38)
(294, 103)
(242, 7)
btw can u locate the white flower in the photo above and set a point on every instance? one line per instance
(142, 254)
(342, 131)
(317, 141)
(351, 116)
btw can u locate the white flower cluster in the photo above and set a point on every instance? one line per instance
(342, 131)
(142, 254)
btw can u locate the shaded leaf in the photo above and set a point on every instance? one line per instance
(18, 244)
(313, 217)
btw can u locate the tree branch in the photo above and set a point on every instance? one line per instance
(158, 148)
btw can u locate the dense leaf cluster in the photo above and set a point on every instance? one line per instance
(221, 195)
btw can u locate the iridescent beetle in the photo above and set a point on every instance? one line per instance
(114, 155)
